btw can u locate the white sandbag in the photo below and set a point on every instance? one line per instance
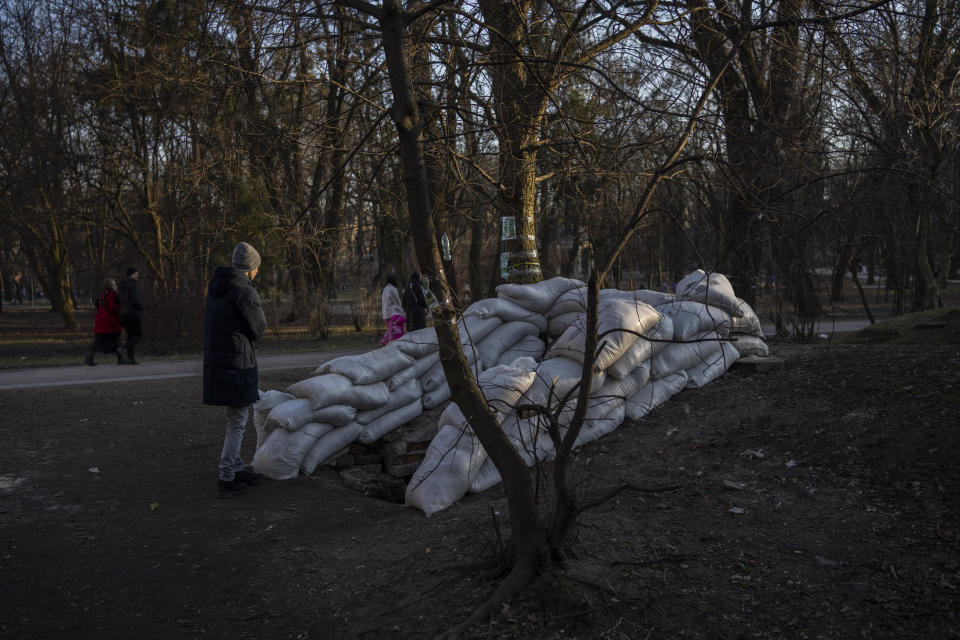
(530, 438)
(333, 388)
(682, 356)
(613, 314)
(433, 377)
(506, 311)
(420, 367)
(526, 347)
(419, 343)
(692, 318)
(705, 372)
(389, 421)
(486, 477)
(454, 455)
(502, 338)
(748, 323)
(261, 408)
(597, 427)
(293, 414)
(653, 394)
(501, 386)
(398, 398)
(435, 397)
(561, 322)
(624, 387)
(475, 328)
(366, 368)
(652, 298)
(572, 301)
(713, 289)
(504, 385)
(329, 445)
(452, 415)
(555, 378)
(750, 346)
(611, 395)
(644, 348)
(527, 435)
(290, 415)
(283, 451)
(268, 400)
(540, 296)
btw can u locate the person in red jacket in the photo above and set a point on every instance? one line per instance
(107, 328)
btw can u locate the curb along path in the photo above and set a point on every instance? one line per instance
(159, 370)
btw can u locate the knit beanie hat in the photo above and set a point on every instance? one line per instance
(245, 257)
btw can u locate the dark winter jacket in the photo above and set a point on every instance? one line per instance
(415, 304)
(108, 313)
(233, 321)
(128, 291)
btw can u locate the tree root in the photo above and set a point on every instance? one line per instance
(520, 575)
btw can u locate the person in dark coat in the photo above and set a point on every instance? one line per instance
(415, 304)
(131, 306)
(233, 321)
(106, 326)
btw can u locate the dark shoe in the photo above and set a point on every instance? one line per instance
(122, 357)
(248, 477)
(231, 488)
(131, 359)
(89, 362)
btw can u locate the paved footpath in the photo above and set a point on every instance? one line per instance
(106, 371)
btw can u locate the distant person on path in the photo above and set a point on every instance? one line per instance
(391, 310)
(415, 304)
(106, 326)
(233, 321)
(131, 307)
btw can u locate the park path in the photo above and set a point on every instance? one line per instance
(158, 370)
(106, 371)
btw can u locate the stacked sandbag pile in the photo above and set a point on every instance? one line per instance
(526, 347)
(350, 398)
(358, 398)
(684, 341)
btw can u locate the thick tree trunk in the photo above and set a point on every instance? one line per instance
(840, 268)
(519, 103)
(928, 289)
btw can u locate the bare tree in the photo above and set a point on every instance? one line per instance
(41, 67)
(903, 68)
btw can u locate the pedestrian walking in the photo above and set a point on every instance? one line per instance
(131, 307)
(233, 321)
(391, 310)
(106, 326)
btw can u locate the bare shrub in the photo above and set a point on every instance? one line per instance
(173, 323)
(363, 311)
(320, 317)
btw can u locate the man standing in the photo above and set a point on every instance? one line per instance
(233, 321)
(128, 291)
(415, 304)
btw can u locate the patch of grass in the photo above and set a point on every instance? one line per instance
(35, 338)
(937, 327)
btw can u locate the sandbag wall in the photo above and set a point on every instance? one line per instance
(688, 341)
(526, 347)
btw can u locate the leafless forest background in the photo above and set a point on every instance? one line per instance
(158, 134)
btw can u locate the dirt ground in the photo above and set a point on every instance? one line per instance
(818, 500)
